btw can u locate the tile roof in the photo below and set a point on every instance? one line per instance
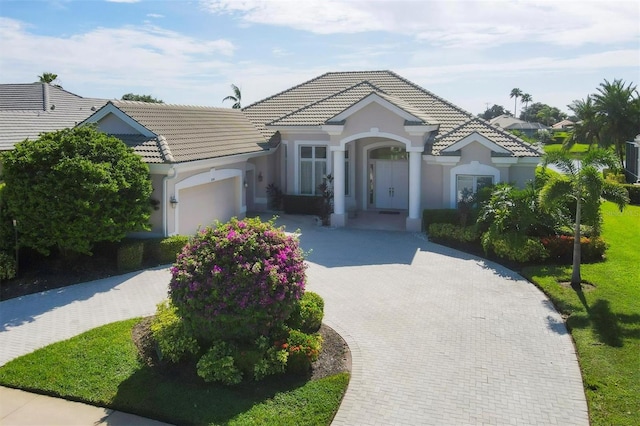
(515, 145)
(189, 133)
(318, 100)
(330, 84)
(325, 109)
(26, 110)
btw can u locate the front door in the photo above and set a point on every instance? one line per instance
(392, 184)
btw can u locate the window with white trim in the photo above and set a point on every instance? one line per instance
(466, 184)
(313, 167)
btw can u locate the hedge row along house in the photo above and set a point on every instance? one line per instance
(390, 145)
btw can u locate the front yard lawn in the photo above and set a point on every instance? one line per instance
(102, 367)
(604, 319)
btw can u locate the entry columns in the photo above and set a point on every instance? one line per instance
(414, 223)
(338, 218)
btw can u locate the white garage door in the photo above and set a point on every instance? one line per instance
(201, 205)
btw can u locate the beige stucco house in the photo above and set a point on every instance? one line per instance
(390, 145)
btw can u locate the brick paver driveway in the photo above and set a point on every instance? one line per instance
(437, 337)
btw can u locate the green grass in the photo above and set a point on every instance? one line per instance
(577, 151)
(101, 367)
(605, 321)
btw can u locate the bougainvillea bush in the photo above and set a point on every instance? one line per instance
(237, 281)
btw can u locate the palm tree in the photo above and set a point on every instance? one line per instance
(617, 105)
(526, 98)
(235, 98)
(49, 78)
(515, 93)
(587, 128)
(584, 184)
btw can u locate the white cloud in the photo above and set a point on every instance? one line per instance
(122, 1)
(450, 23)
(155, 15)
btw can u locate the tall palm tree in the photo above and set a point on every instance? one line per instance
(515, 93)
(584, 184)
(617, 105)
(236, 98)
(587, 128)
(526, 98)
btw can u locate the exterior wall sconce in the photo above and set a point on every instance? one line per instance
(246, 185)
(259, 176)
(174, 201)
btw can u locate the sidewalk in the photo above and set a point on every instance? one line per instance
(19, 408)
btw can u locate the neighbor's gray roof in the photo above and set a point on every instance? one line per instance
(515, 145)
(189, 133)
(320, 99)
(317, 101)
(27, 110)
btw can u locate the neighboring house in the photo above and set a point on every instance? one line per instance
(26, 110)
(632, 159)
(563, 125)
(202, 160)
(510, 123)
(389, 144)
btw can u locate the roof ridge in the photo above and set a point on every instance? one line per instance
(441, 99)
(167, 105)
(285, 91)
(165, 150)
(333, 95)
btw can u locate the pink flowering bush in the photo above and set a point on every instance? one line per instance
(238, 280)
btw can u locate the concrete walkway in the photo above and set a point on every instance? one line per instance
(437, 336)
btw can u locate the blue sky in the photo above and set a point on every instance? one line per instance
(471, 53)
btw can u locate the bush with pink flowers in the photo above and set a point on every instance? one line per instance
(237, 281)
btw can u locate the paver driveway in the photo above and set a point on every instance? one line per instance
(437, 336)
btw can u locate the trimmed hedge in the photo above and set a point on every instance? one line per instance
(430, 216)
(560, 248)
(130, 255)
(170, 247)
(452, 232)
(302, 204)
(634, 194)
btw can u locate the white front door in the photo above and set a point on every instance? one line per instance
(392, 184)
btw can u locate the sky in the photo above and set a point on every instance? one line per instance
(472, 53)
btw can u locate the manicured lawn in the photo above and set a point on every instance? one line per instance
(101, 367)
(605, 321)
(577, 151)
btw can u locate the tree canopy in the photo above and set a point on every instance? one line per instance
(236, 98)
(74, 187)
(493, 112)
(543, 113)
(141, 98)
(49, 78)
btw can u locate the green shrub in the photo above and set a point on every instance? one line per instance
(560, 248)
(303, 349)
(218, 365)
(130, 255)
(238, 280)
(514, 247)
(430, 216)
(170, 247)
(7, 266)
(171, 336)
(450, 232)
(634, 194)
(308, 313)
